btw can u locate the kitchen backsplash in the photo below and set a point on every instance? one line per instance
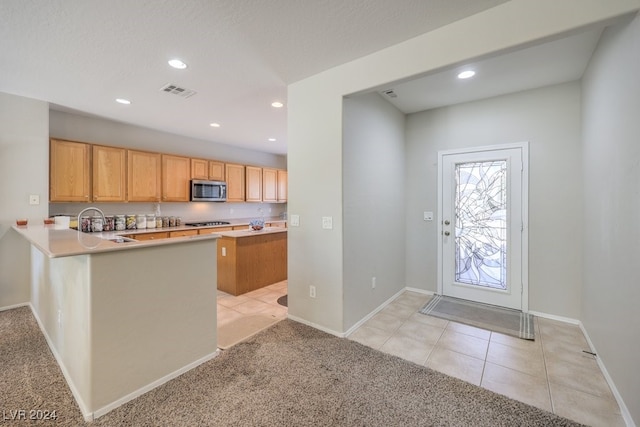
(191, 211)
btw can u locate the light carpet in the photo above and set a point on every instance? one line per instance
(489, 317)
(288, 375)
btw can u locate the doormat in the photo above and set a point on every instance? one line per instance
(283, 300)
(497, 319)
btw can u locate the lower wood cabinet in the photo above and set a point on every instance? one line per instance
(148, 236)
(182, 233)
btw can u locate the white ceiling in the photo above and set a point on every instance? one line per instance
(80, 55)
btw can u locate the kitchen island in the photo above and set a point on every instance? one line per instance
(122, 317)
(249, 260)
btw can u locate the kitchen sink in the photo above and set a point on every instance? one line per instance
(121, 239)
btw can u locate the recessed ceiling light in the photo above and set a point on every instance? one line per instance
(466, 74)
(277, 104)
(123, 101)
(176, 63)
(214, 125)
(272, 140)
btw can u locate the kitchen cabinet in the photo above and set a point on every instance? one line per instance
(214, 230)
(183, 233)
(235, 182)
(199, 169)
(253, 184)
(269, 185)
(280, 224)
(176, 174)
(143, 176)
(109, 173)
(216, 170)
(69, 171)
(148, 236)
(283, 178)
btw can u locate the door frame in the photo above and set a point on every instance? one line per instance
(524, 147)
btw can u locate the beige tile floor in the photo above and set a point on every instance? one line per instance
(551, 372)
(263, 300)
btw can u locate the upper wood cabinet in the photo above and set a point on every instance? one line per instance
(176, 173)
(253, 184)
(69, 171)
(216, 170)
(143, 176)
(269, 185)
(283, 182)
(109, 174)
(199, 169)
(234, 175)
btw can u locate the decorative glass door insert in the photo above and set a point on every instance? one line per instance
(481, 224)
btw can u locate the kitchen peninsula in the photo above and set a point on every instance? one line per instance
(122, 317)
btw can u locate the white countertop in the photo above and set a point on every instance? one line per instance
(61, 242)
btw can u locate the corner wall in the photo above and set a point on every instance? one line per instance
(611, 163)
(373, 191)
(24, 170)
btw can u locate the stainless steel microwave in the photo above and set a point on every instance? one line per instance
(208, 191)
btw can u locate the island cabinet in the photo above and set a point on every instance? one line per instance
(235, 182)
(69, 171)
(109, 174)
(143, 176)
(251, 260)
(176, 174)
(254, 184)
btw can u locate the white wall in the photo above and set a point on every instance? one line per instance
(315, 128)
(549, 118)
(76, 127)
(373, 216)
(24, 170)
(611, 129)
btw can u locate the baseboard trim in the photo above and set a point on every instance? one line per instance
(113, 405)
(373, 313)
(554, 317)
(11, 307)
(626, 415)
(315, 325)
(86, 413)
(419, 291)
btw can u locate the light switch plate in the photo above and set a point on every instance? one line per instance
(428, 216)
(327, 222)
(295, 221)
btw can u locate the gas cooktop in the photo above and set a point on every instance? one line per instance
(205, 223)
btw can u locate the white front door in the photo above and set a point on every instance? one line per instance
(482, 225)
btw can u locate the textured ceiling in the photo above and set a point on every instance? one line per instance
(82, 54)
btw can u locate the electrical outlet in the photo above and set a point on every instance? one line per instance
(224, 251)
(34, 199)
(373, 283)
(327, 222)
(312, 291)
(428, 216)
(295, 221)
(231, 211)
(59, 317)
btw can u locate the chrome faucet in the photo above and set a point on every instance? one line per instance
(90, 209)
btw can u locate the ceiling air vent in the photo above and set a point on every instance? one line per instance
(390, 93)
(177, 90)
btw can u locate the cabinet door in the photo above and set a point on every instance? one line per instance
(176, 173)
(269, 185)
(199, 169)
(183, 233)
(282, 185)
(143, 176)
(69, 171)
(150, 236)
(109, 174)
(235, 182)
(216, 170)
(254, 184)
